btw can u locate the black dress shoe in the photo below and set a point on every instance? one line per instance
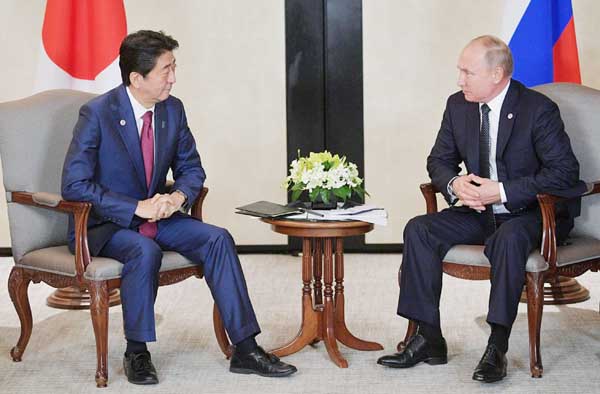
(139, 369)
(492, 366)
(261, 363)
(417, 349)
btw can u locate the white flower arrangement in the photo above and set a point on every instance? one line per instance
(324, 176)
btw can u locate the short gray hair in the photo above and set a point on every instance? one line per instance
(497, 53)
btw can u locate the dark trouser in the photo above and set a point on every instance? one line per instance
(428, 238)
(200, 243)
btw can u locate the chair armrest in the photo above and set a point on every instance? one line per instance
(592, 188)
(548, 246)
(548, 207)
(197, 205)
(80, 211)
(429, 190)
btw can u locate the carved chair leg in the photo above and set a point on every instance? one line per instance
(18, 282)
(535, 307)
(410, 331)
(222, 339)
(99, 313)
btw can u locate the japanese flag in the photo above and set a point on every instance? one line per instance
(80, 45)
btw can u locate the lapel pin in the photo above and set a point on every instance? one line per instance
(510, 116)
(122, 122)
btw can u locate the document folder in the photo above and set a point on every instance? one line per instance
(266, 209)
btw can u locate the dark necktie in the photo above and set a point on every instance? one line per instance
(484, 163)
(147, 142)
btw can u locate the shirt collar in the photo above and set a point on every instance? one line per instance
(138, 109)
(495, 104)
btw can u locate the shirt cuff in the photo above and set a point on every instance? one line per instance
(502, 194)
(450, 190)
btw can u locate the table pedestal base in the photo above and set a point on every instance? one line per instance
(324, 319)
(75, 298)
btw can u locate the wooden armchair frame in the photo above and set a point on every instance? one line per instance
(534, 280)
(20, 278)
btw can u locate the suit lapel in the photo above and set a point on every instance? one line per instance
(160, 142)
(472, 127)
(124, 122)
(508, 114)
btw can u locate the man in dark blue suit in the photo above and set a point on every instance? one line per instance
(124, 143)
(513, 143)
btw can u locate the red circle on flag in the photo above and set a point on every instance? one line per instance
(82, 37)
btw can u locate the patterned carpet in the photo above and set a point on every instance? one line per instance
(61, 354)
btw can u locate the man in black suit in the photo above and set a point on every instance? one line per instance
(513, 143)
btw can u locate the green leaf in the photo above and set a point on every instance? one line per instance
(325, 196)
(343, 192)
(314, 193)
(360, 192)
(296, 194)
(297, 186)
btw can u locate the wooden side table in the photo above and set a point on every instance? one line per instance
(323, 319)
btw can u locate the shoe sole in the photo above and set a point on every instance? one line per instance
(437, 360)
(246, 371)
(484, 380)
(430, 361)
(142, 383)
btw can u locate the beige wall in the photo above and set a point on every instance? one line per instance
(231, 76)
(410, 53)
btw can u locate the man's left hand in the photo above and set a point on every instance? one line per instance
(489, 191)
(169, 204)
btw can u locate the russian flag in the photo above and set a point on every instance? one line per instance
(541, 36)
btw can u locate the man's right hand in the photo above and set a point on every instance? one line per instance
(467, 192)
(149, 208)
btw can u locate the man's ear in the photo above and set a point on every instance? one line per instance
(135, 78)
(498, 74)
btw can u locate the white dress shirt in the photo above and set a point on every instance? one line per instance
(495, 105)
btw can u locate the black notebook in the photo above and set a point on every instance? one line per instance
(266, 209)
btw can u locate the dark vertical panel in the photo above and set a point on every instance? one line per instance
(305, 93)
(344, 86)
(344, 80)
(304, 77)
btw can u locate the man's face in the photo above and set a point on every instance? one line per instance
(478, 82)
(157, 84)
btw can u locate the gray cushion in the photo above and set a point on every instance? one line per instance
(59, 260)
(577, 249)
(473, 255)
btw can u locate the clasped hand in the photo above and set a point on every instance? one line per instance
(160, 206)
(476, 192)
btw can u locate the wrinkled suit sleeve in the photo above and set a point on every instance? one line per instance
(186, 166)
(78, 182)
(443, 163)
